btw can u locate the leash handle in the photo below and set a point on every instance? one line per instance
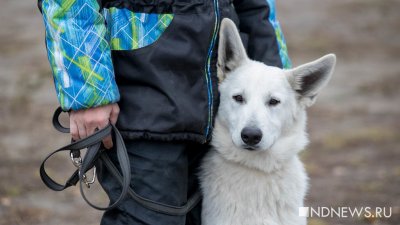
(95, 149)
(56, 121)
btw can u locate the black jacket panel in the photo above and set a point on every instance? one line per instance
(164, 87)
(259, 34)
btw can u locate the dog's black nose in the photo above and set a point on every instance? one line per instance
(251, 135)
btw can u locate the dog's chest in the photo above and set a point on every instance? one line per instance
(238, 192)
(243, 184)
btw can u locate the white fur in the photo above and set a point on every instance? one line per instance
(267, 184)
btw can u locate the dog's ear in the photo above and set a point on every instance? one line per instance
(231, 52)
(308, 79)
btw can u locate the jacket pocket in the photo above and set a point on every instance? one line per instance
(129, 30)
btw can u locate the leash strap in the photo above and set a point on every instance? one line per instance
(95, 156)
(94, 150)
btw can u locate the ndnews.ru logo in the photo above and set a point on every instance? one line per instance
(344, 212)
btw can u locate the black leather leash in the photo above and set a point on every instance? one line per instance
(95, 156)
(93, 143)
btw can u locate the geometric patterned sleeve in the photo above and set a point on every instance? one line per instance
(283, 52)
(79, 54)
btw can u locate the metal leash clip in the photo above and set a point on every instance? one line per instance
(89, 182)
(76, 159)
(77, 162)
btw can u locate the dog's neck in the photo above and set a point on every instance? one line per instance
(285, 148)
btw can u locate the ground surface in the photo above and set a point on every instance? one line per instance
(354, 156)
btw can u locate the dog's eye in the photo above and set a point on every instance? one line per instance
(238, 98)
(274, 102)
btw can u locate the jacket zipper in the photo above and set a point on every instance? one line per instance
(208, 70)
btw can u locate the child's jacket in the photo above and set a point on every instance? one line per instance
(156, 58)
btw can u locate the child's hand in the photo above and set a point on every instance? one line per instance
(84, 122)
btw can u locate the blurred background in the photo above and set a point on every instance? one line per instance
(354, 156)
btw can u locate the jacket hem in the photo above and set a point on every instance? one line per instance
(154, 136)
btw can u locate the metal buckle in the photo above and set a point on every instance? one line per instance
(77, 162)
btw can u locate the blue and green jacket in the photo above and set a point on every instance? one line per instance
(156, 58)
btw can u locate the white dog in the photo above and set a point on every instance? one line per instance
(253, 176)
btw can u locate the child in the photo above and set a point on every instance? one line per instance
(150, 67)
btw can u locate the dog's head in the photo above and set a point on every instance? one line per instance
(260, 104)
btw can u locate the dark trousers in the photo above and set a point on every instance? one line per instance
(161, 171)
